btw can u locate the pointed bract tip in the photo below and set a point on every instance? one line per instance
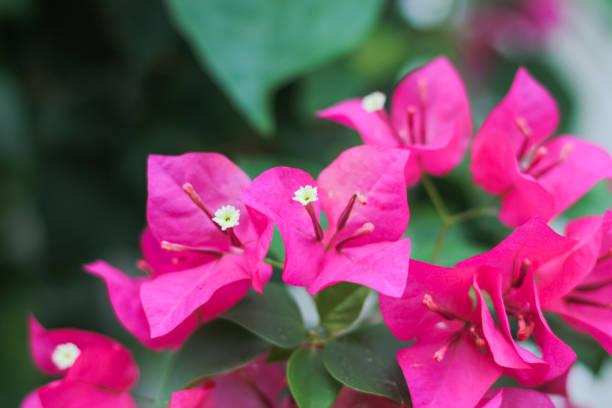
(144, 266)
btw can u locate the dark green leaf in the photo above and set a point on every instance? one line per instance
(279, 354)
(253, 46)
(216, 348)
(273, 316)
(365, 360)
(339, 305)
(310, 384)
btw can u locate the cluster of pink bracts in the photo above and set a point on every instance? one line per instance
(210, 226)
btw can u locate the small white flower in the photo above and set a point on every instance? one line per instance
(65, 355)
(306, 194)
(373, 102)
(227, 217)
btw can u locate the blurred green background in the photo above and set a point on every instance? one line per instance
(89, 89)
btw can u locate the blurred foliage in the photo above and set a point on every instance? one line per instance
(89, 89)
(252, 46)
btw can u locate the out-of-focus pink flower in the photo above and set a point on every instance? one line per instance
(586, 300)
(430, 117)
(515, 397)
(203, 249)
(96, 371)
(451, 359)
(363, 195)
(513, 156)
(256, 385)
(509, 280)
(492, 29)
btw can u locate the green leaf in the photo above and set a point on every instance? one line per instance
(215, 348)
(273, 316)
(279, 354)
(339, 305)
(365, 360)
(253, 46)
(310, 384)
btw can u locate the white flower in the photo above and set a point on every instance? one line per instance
(227, 217)
(306, 194)
(65, 355)
(373, 102)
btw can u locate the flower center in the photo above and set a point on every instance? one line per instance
(224, 219)
(227, 217)
(65, 355)
(517, 279)
(305, 195)
(525, 327)
(474, 329)
(373, 102)
(530, 158)
(412, 135)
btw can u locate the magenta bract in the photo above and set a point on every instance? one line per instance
(430, 117)
(513, 156)
(363, 195)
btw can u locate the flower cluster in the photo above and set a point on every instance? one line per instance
(210, 228)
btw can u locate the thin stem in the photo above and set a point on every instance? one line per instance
(471, 214)
(447, 219)
(274, 263)
(437, 251)
(164, 377)
(435, 197)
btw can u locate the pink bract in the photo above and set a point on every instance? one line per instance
(203, 269)
(510, 281)
(256, 385)
(513, 156)
(100, 376)
(198, 397)
(450, 361)
(515, 397)
(586, 301)
(430, 116)
(363, 194)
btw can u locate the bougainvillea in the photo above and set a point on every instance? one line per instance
(447, 333)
